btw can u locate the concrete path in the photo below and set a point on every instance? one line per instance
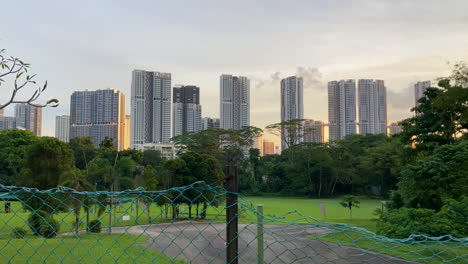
(203, 243)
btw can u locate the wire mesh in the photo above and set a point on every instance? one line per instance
(188, 225)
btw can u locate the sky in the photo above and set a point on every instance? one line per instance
(79, 45)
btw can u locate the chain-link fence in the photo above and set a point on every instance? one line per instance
(189, 225)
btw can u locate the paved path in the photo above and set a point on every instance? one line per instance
(205, 243)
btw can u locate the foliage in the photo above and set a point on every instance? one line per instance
(18, 232)
(437, 177)
(49, 227)
(153, 158)
(291, 131)
(95, 226)
(47, 159)
(14, 144)
(43, 224)
(83, 151)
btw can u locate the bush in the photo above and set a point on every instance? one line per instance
(18, 232)
(95, 226)
(35, 220)
(43, 225)
(50, 227)
(403, 222)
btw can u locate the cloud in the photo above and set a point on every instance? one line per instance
(311, 76)
(402, 100)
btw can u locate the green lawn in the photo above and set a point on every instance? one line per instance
(362, 217)
(418, 251)
(277, 210)
(92, 248)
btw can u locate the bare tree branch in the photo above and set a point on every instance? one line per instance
(15, 67)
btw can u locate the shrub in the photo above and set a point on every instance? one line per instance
(18, 232)
(403, 222)
(43, 225)
(49, 228)
(35, 220)
(95, 226)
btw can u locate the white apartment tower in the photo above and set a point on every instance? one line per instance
(234, 102)
(419, 90)
(186, 110)
(62, 128)
(341, 108)
(150, 107)
(292, 106)
(372, 97)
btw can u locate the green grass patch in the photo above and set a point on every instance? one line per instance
(418, 251)
(91, 248)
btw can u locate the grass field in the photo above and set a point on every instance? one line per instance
(92, 248)
(335, 213)
(277, 210)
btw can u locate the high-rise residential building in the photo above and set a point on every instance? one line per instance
(209, 122)
(29, 117)
(395, 128)
(98, 114)
(234, 102)
(186, 115)
(341, 108)
(419, 90)
(314, 131)
(127, 132)
(372, 102)
(268, 148)
(150, 107)
(62, 128)
(7, 122)
(292, 105)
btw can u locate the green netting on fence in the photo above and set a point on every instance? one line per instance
(188, 225)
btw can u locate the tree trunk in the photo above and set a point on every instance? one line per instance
(136, 208)
(87, 219)
(77, 219)
(149, 213)
(197, 209)
(190, 211)
(320, 182)
(204, 210)
(333, 188)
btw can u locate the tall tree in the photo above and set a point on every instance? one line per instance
(14, 145)
(83, 151)
(47, 159)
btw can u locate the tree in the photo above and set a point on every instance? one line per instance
(14, 68)
(381, 166)
(437, 177)
(14, 145)
(47, 159)
(83, 151)
(76, 179)
(349, 202)
(442, 115)
(135, 155)
(107, 143)
(153, 158)
(148, 180)
(291, 131)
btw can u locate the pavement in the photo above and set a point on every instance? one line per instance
(202, 243)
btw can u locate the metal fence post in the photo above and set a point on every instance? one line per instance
(232, 188)
(260, 233)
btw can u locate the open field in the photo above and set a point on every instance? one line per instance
(92, 248)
